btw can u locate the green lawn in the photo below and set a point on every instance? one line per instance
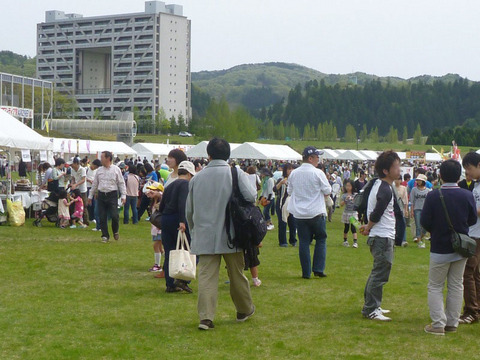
(65, 295)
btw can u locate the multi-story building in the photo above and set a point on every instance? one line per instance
(117, 63)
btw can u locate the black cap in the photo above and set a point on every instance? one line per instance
(311, 150)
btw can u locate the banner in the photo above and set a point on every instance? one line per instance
(26, 156)
(406, 170)
(416, 155)
(18, 112)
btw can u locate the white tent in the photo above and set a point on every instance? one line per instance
(369, 154)
(156, 151)
(351, 155)
(329, 154)
(433, 157)
(200, 150)
(15, 135)
(251, 150)
(91, 147)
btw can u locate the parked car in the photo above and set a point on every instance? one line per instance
(185, 134)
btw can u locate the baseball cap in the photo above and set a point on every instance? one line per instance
(311, 150)
(187, 165)
(121, 165)
(155, 186)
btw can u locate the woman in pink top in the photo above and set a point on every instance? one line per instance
(78, 213)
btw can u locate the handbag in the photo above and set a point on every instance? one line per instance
(264, 201)
(461, 243)
(182, 264)
(156, 219)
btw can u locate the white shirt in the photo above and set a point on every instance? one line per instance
(307, 186)
(382, 193)
(474, 230)
(108, 180)
(90, 176)
(78, 176)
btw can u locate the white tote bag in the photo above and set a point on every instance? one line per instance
(183, 265)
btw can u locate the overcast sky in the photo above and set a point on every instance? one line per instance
(384, 37)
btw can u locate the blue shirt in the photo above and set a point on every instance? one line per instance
(152, 176)
(411, 185)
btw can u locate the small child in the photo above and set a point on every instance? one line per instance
(155, 192)
(417, 198)
(347, 201)
(252, 262)
(63, 209)
(77, 216)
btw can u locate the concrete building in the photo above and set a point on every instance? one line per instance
(117, 62)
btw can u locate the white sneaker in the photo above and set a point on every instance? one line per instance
(73, 227)
(404, 244)
(95, 229)
(384, 311)
(270, 227)
(94, 221)
(346, 244)
(257, 282)
(421, 245)
(415, 240)
(377, 315)
(355, 245)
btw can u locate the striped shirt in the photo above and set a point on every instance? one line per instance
(108, 180)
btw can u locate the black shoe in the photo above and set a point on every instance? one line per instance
(183, 285)
(174, 289)
(319, 274)
(206, 325)
(243, 317)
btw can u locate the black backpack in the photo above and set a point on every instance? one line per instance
(248, 222)
(360, 201)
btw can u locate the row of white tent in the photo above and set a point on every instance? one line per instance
(16, 136)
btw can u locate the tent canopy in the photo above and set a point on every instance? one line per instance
(200, 150)
(155, 150)
(15, 135)
(369, 154)
(86, 147)
(251, 150)
(351, 155)
(329, 154)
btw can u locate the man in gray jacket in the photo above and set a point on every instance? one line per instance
(209, 194)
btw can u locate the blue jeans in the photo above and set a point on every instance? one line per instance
(309, 229)
(266, 211)
(419, 230)
(131, 202)
(282, 228)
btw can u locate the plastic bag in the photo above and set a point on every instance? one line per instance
(16, 214)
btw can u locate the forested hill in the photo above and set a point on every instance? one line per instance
(258, 85)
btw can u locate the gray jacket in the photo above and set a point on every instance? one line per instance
(209, 193)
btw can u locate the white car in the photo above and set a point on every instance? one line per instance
(185, 134)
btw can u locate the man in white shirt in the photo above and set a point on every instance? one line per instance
(381, 233)
(107, 185)
(308, 187)
(79, 181)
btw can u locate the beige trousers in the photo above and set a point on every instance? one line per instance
(208, 271)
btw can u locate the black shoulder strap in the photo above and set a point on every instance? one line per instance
(227, 209)
(235, 180)
(446, 211)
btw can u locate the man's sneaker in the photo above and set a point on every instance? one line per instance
(467, 319)
(83, 226)
(345, 243)
(421, 245)
(355, 245)
(173, 289)
(319, 274)
(94, 221)
(155, 268)
(404, 244)
(147, 219)
(95, 229)
(450, 329)
(384, 311)
(73, 227)
(244, 317)
(377, 315)
(105, 239)
(429, 329)
(415, 240)
(257, 282)
(206, 325)
(270, 227)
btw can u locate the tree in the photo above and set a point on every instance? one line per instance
(350, 134)
(320, 132)
(293, 132)
(405, 135)
(392, 136)
(373, 137)
(306, 132)
(364, 133)
(173, 125)
(269, 130)
(417, 135)
(182, 126)
(281, 131)
(159, 119)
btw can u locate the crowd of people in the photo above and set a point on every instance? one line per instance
(304, 197)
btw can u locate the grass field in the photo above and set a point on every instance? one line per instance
(66, 295)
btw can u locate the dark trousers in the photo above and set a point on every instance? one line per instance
(91, 208)
(309, 229)
(282, 228)
(145, 201)
(130, 203)
(471, 284)
(170, 224)
(108, 205)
